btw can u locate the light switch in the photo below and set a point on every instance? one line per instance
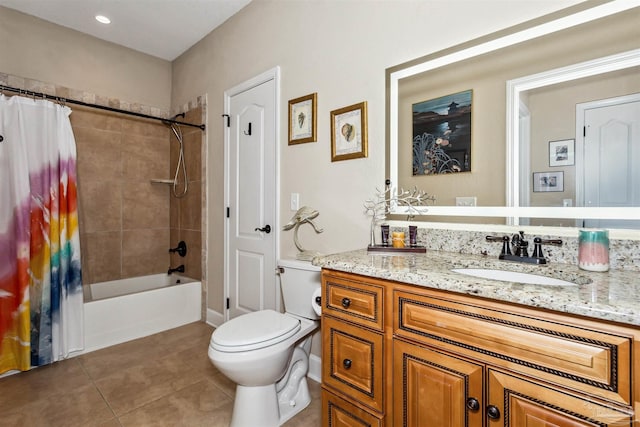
(466, 201)
(295, 201)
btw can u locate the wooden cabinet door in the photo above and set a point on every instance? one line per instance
(431, 388)
(517, 402)
(337, 412)
(352, 362)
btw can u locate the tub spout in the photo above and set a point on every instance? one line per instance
(178, 269)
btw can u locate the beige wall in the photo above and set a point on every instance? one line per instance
(35, 49)
(339, 49)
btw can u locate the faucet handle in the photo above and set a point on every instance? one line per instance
(506, 250)
(538, 242)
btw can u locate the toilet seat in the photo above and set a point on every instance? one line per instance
(253, 331)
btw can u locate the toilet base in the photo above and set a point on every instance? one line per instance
(259, 406)
(288, 409)
(255, 406)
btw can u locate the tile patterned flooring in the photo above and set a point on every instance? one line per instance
(165, 379)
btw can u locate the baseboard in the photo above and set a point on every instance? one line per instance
(315, 368)
(214, 318)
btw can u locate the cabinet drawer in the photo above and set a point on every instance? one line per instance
(583, 358)
(352, 361)
(354, 301)
(337, 412)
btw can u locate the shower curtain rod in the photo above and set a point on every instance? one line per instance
(86, 104)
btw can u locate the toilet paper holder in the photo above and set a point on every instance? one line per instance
(316, 301)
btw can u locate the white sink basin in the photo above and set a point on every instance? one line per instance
(512, 276)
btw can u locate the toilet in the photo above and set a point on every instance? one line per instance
(266, 353)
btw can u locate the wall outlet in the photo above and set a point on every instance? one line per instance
(567, 203)
(295, 201)
(466, 201)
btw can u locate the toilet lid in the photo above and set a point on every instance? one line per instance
(255, 330)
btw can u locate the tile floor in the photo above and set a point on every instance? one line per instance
(161, 380)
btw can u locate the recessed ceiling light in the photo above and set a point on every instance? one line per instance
(103, 19)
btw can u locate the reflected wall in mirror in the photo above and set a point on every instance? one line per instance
(550, 111)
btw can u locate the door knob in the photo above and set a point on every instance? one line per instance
(265, 229)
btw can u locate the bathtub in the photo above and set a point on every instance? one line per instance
(123, 310)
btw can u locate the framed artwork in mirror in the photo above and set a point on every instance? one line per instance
(349, 132)
(548, 182)
(442, 134)
(562, 153)
(302, 119)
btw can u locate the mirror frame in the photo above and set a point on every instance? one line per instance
(566, 18)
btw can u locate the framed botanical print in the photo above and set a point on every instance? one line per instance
(302, 119)
(349, 132)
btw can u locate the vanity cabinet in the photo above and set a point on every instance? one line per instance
(423, 357)
(353, 344)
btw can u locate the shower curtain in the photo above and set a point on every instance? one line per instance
(41, 300)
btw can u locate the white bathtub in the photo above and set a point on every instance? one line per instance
(123, 310)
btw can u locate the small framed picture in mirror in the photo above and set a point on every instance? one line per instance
(302, 119)
(349, 132)
(548, 182)
(562, 153)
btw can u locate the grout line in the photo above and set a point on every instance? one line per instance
(84, 368)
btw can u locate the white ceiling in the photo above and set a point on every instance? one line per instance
(162, 28)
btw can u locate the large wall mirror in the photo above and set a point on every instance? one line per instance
(494, 128)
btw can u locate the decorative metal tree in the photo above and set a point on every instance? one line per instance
(415, 201)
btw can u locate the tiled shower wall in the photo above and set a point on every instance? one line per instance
(124, 218)
(128, 223)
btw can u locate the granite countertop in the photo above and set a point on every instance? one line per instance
(612, 296)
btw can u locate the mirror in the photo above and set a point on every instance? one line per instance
(566, 52)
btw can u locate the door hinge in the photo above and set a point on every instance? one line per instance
(228, 212)
(228, 117)
(584, 131)
(228, 303)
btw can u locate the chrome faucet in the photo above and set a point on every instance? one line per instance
(520, 248)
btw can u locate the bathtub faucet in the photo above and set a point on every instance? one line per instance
(178, 269)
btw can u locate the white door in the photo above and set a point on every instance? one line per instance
(611, 175)
(251, 227)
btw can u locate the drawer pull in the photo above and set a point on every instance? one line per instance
(493, 412)
(346, 363)
(346, 302)
(473, 404)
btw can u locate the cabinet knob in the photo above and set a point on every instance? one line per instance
(346, 302)
(346, 363)
(473, 404)
(493, 412)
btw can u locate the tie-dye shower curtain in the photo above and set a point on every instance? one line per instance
(41, 299)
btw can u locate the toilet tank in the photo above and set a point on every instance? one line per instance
(298, 281)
